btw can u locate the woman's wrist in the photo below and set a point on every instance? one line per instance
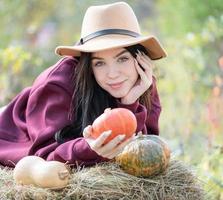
(127, 102)
(124, 101)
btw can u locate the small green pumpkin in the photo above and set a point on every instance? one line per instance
(145, 156)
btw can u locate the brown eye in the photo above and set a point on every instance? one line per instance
(98, 64)
(123, 59)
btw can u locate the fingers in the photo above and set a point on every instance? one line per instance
(139, 69)
(145, 58)
(87, 131)
(119, 148)
(112, 148)
(109, 147)
(112, 144)
(106, 149)
(101, 139)
(143, 75)
(147, 65)
(145, 62)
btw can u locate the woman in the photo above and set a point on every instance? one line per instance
(111, 66)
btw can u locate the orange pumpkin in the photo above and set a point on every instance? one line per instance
(119, 120)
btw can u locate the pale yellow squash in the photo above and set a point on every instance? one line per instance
(46, 174)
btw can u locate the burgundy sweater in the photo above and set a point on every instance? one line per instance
(30, 121)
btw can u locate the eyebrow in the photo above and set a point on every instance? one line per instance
(120, 53)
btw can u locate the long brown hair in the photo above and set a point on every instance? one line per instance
(89, 100)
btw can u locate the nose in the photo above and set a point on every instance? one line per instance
(113, 71)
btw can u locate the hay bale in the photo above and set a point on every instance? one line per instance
(108, 182)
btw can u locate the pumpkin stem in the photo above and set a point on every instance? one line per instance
(63, 174)
(140, 134)
(68, 166)
(107, 110)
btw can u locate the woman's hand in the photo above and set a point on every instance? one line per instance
(144, 81)
(110, 149)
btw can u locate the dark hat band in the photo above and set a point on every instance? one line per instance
(107, 32)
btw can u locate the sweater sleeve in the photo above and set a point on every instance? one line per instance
(147, 121)
(152, 121)
(47, 112)
(76, 152)
(48, 115)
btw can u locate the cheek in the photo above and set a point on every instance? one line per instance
(98, 75)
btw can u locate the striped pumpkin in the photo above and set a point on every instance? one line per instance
(145, 156)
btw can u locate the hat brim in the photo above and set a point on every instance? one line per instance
(155, 50)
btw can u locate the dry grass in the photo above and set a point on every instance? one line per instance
(108, 181)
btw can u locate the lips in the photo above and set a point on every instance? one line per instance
(116, 85)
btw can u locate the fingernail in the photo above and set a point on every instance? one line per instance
(107, 110)
(138, 56)
(121, 137)
(107, 133)
(141, 52)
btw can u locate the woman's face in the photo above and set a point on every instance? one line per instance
(114, 71)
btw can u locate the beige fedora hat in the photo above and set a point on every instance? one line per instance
(111, 26)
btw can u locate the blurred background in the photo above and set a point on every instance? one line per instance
(190, 79)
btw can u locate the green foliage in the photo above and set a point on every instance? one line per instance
(15, 62)
(193, 36)
(191, 32)
(210, 170)
(180, 17)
